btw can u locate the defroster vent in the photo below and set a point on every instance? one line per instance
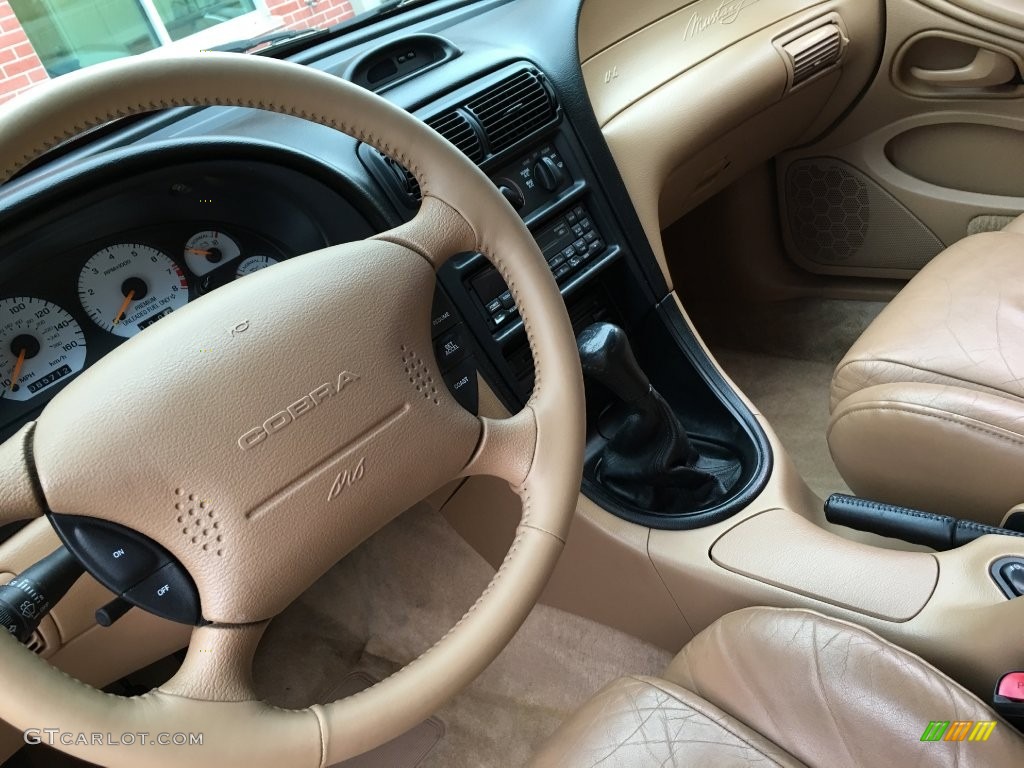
(513, 108)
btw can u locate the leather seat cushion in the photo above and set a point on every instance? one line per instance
(769, 686)
(928, 405)
(641, 721)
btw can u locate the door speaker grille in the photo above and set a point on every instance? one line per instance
(838, 217)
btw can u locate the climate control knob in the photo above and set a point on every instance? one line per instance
(548, 174)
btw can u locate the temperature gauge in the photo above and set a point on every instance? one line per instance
(40, 345)
(207, 250)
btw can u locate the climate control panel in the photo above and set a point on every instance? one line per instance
(569, 243)
(534, 180)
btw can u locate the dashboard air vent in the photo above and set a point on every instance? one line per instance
(410, 187)
(814, 52)
(513, 108)
(36, 643)
(455, 127)
(502, 112)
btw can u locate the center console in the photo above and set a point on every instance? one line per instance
(758, 543)
(512, 125)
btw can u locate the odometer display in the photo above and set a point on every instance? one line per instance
(51, 378)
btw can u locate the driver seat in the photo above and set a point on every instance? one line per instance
(783, 687)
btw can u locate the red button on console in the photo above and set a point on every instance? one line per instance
(1011, 686)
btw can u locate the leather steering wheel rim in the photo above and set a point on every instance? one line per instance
(538, 451)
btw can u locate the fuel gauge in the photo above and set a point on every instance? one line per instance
(207, 250)
(254, 264)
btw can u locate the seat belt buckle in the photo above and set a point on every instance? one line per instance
(1008, 698)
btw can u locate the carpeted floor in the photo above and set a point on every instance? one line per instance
(401, 591)
(391, 599)
(818, 330)
(793, 396)
(782, 354)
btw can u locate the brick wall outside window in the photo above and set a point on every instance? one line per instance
(20, 67)
(303, 14)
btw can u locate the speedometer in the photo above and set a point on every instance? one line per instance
(40, 345)
(126, 287)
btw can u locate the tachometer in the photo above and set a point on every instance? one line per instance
(40, 345)
(128, 286)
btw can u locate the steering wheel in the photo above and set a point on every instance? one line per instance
(319, 365)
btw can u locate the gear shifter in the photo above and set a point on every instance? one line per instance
(649, 461)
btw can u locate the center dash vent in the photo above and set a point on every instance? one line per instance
(455, 127)
(508, 109)
(814, 52)
(513, 108)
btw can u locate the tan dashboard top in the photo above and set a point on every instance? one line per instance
(618, 73)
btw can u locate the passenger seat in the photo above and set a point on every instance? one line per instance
(928, 405)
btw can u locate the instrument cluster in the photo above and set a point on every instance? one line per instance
(93, 253)
(123, 287)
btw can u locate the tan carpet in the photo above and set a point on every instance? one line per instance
(781, 354)
(393, 598)
(402, 590)
(815, 329)
(793, 396)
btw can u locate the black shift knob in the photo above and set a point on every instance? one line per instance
(648, 461)
(607, 357)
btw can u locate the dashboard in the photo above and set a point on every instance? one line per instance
(174, 204)
(132, 242)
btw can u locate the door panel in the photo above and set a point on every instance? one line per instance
(976, 157)
(943, 65)
(933, 151)
(1005, 17)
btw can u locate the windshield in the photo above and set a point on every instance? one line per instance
(43, 39)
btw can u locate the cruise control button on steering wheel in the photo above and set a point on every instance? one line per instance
(132, 566)
(169, 593)
(118, 557)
